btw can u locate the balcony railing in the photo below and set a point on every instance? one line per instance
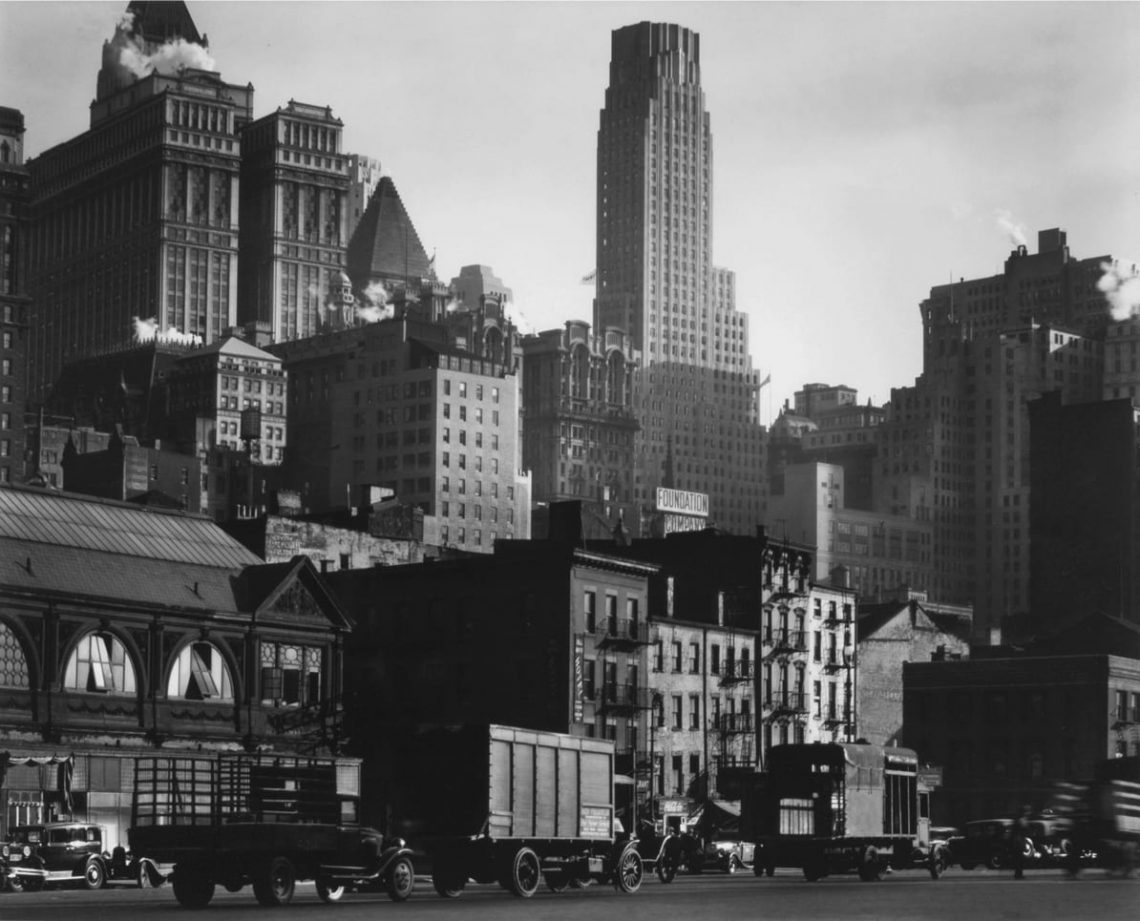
(786, 642)
(622, 698)
(622, 633)
(790, 704)
(735, 722)
(735, 672)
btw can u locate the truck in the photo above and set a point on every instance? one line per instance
(265, 820)
(841, 807)
(1103, 817)
(519, 807)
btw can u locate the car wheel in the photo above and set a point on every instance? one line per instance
(629, 871)
(401, 879)
(94, 874)
(328, 891)
(15, 884)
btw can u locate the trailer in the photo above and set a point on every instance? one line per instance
(839, 808)
(1103, 815)
(514, 806)
(263, 820)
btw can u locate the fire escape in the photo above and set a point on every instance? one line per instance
(616, 636)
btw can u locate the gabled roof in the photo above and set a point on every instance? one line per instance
(236, 346)
(259, 589)
(1096, 634)
(385, 243)
(160, 21)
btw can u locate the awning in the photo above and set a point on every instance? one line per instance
(66, 767)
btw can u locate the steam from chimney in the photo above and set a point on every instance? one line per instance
(453, 305)
(1121, 288)
(168, 59)
(148, 331)
(377, 307)
(1014, 230)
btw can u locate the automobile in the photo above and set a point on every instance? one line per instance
(56, 852)
(1053, 837)
(987, 843)
(726, 855)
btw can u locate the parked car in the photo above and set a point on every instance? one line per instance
(57, 852)
(988, 843)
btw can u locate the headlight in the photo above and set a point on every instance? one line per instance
(27, 850)
(397, 842)
(4, 851)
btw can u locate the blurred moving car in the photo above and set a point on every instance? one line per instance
(988, 843)
(727, 856)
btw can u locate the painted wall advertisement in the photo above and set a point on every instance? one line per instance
(679, 510)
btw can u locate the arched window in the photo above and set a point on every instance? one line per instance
(13, 662)
(100, 664)
(200, 673)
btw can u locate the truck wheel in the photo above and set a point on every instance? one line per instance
(556, 880)
(401, 879)
(815, 869)
(666, 868)
(328, 891)
(524, 874)
(733, 864)
(275, 882)
(869, 867)
(629, 871)
(192, 887)
(94, 874)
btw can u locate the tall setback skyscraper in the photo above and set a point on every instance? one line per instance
(697, 394)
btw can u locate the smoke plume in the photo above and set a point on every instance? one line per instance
(148, 331)
(1121, 288)
(1014, 230)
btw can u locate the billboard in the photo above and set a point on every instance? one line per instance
(681, 502)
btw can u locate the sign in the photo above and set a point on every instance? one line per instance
(674, 524)
(579, 653)
(681, 502)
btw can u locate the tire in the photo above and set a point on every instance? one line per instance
(447, 878)
(34, 884)
(733, 864)
(629, 871)
(400, 879)
(330, 892)
(869, 867)
(815, 870)
(968, 865)
(937, 861)
(94, 874)
(666, 868)
(15, 884)
(193, 887)
(556, 880)
(524, 873)
(275, 882)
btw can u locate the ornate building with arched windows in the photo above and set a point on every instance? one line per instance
(124, 630)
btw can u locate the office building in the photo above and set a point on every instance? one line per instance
(364, 175)
(579, 427)
(137, 217)
(294, 225)
(696, 395)
(14, 300)
(958, 441)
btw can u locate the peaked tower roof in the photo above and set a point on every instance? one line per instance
(146, 26)
(385, 244)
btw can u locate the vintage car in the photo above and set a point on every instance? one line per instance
(54, 853)
(724, 855)
(988, 843)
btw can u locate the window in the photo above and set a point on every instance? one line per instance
(588, 679)
(290, 674)
(714, 656)
(676, 655)
(694, 711)
(678, 712)
(100, 664)
(658, 656)
(590, 607)
(695, 658)
(13, 663)
(200, 673)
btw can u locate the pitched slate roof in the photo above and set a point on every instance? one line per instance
(70, 545)
(385, 243)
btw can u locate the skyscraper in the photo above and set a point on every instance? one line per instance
(697, 394)
(138, 216)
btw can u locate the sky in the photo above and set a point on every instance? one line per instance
(862, 152)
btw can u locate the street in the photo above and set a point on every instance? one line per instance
(910, 895)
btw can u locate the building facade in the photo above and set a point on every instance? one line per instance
(137, 218)
(294, 220)
(127, 631)
(579, 425)
(14, 300)
(393, 404)
(696, 395)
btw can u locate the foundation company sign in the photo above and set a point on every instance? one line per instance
(678, 510)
